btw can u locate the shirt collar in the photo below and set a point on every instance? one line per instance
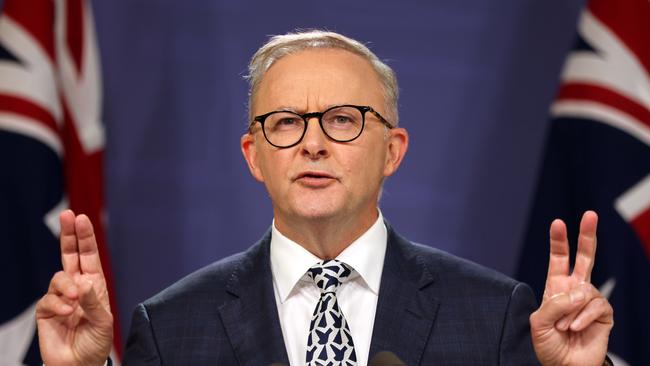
(290, 261)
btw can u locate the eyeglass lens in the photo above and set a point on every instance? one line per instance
(287, 128)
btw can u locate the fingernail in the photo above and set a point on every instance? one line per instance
(562, 324)
(576, 324)
(577, 296)
(66, 308)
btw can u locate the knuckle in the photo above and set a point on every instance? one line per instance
(558, 299)
(608, 309)
(60, 275)
(59, 281)
(41, 302)
(109, 317)
(46, 302)
(601, 302)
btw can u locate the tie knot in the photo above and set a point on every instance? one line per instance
(329, 274)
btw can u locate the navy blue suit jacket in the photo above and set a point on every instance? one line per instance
(433, 308)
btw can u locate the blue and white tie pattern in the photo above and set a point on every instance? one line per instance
(330, 342)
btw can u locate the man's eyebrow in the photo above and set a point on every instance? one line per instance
(303, 111)
(287, 109)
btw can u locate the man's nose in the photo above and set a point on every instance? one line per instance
(314, 143)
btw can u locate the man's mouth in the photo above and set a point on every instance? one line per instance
(315, 179)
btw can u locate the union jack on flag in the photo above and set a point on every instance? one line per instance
(51, 150)
(598, 157)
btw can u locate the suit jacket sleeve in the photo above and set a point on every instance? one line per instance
(516, 346)
(141, 347)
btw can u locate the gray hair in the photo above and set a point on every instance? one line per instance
(283, 45)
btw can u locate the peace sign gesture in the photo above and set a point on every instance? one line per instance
(572, 325)
(75, 325)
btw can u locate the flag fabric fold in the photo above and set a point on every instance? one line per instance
(598, 158)
(51, 151)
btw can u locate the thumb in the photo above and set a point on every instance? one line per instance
(96, 312)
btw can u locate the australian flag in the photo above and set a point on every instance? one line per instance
(51, 148)
(598, 157)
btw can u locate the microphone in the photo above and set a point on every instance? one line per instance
(386, 358)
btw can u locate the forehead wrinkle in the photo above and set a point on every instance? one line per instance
(281, 103)
(312, 102)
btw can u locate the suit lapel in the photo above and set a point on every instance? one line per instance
(251, 318)
(406, 309)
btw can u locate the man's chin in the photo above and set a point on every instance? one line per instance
(316, 213)
(317, 209)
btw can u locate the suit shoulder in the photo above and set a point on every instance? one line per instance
(211, 284)
(445, 268)
(210, 280)
(469, 276)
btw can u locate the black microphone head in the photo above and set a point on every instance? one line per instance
(386, 358)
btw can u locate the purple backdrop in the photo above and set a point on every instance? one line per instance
(476, 79)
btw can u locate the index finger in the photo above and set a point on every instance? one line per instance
(586, 253)
(558, 261)
(68, 239)
(88, 252)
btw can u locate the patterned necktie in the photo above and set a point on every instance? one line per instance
(330, 342)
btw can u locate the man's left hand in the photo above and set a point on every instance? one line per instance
(572, 325)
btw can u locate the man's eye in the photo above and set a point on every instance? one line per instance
(286, 122)
(343, 119)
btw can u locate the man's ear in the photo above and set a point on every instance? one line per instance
(249, 150)
(398, 143)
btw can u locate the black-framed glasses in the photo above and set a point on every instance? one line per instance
(342, 123)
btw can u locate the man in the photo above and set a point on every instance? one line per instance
(331, 283)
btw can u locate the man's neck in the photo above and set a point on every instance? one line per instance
(325, 238)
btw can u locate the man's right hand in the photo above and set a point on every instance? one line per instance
(75, 324)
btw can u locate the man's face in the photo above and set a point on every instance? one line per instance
(320, 178)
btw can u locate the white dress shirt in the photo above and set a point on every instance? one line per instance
(296, 295)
